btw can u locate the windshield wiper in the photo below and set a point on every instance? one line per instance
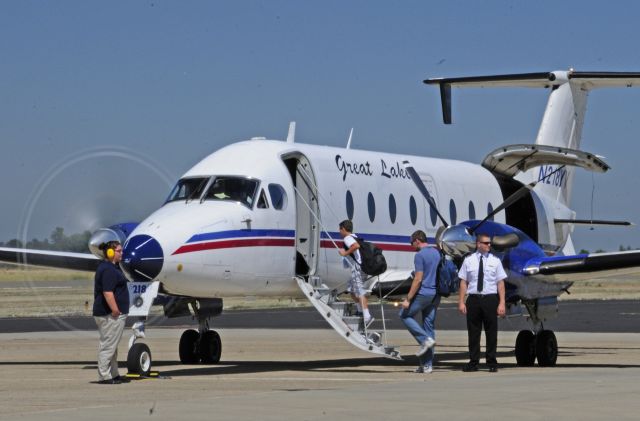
(198, 189)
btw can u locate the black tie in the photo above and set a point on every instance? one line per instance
(480, 275)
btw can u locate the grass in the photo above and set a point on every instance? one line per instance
(34, 291)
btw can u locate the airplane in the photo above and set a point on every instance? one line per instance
(260, 218)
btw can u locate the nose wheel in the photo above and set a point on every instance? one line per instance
(205, 348)
(139, 360)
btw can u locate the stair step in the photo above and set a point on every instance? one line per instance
(339, 316)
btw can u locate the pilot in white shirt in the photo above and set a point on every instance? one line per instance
(482, 278)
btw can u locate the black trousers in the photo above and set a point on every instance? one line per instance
(482, 312)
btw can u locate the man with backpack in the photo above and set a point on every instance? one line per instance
(422, 297)
(355, 285)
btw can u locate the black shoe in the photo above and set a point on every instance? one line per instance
(470, 367)
(111, 381)
(123, 379)
(493, 369)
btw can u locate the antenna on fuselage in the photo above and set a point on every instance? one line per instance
(292, 132)
(349, 140)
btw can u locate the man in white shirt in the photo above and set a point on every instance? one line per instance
(355, 285)
(482, 277)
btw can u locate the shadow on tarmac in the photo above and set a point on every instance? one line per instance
(453, 361)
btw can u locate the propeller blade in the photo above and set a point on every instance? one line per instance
(512, 199)
(423, 189)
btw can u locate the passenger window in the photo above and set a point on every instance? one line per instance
(371, 204)
(452, 212)
(188, 189)
(262, 200)
(413, 210)
(349, 200)
(234, 189)
(433, 214)
(472, 210)
(278, 196)
(489, 210)
(392, 209)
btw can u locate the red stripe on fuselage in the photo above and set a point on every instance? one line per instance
(253, 242)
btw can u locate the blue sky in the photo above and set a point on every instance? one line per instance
(84, 83)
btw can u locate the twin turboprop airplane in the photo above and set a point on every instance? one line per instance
(260, 218)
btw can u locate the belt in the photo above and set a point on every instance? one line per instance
(483, 295)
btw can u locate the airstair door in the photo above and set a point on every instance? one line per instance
(307, 227)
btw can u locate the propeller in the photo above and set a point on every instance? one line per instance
(459, 240)
(512, 199)
(423, 189)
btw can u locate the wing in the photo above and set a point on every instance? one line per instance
(56, 259)
(582, 263)
(392, 283)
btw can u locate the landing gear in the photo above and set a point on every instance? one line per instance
(202, 345)
(541, 344)
(526, 348)
(195, 348)
(139, 356)
(546, 348)
(210, 347)
(188, 347)
(139, 359)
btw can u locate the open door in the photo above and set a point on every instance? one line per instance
(307, 212)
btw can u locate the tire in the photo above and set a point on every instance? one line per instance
(210, 347)
(526, 348)
(188, 347)
(546, 348)
(139, 359)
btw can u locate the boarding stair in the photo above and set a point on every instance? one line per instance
(340, 316)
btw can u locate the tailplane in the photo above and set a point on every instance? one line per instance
(561, 128)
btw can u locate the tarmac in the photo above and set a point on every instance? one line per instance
(312, 374)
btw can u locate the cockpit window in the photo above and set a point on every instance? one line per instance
(235, 189)
(262, 201)
(188, 189)
(278, 196)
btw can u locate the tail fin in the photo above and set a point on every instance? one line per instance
(563, 118)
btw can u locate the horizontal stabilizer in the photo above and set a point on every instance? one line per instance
(512, 159)
(586, 81)
(582, 263)
(56, 259)
(593, 222)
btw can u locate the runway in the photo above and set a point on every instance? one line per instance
(309, 372)
(573, 316)
(275, 374)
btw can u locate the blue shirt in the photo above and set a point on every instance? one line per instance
(426, 261)
(109, 277)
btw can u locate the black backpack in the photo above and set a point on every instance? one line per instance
(373, 262)
(447, 281)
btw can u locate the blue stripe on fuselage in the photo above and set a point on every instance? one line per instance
(224, 235)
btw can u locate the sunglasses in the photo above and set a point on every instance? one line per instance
(485, 242)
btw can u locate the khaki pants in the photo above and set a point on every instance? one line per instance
(110, 334)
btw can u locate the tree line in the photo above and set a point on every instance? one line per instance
(57, 241)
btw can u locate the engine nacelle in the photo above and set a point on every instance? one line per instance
(118, 232)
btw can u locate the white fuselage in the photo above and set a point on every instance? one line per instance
(215, 248)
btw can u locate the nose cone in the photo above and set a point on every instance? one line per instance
(456, 241)
(142, 258)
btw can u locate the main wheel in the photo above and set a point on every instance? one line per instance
(526, 348)
(546, 348)
(210, 347)
(139, 359)
(188, 348)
